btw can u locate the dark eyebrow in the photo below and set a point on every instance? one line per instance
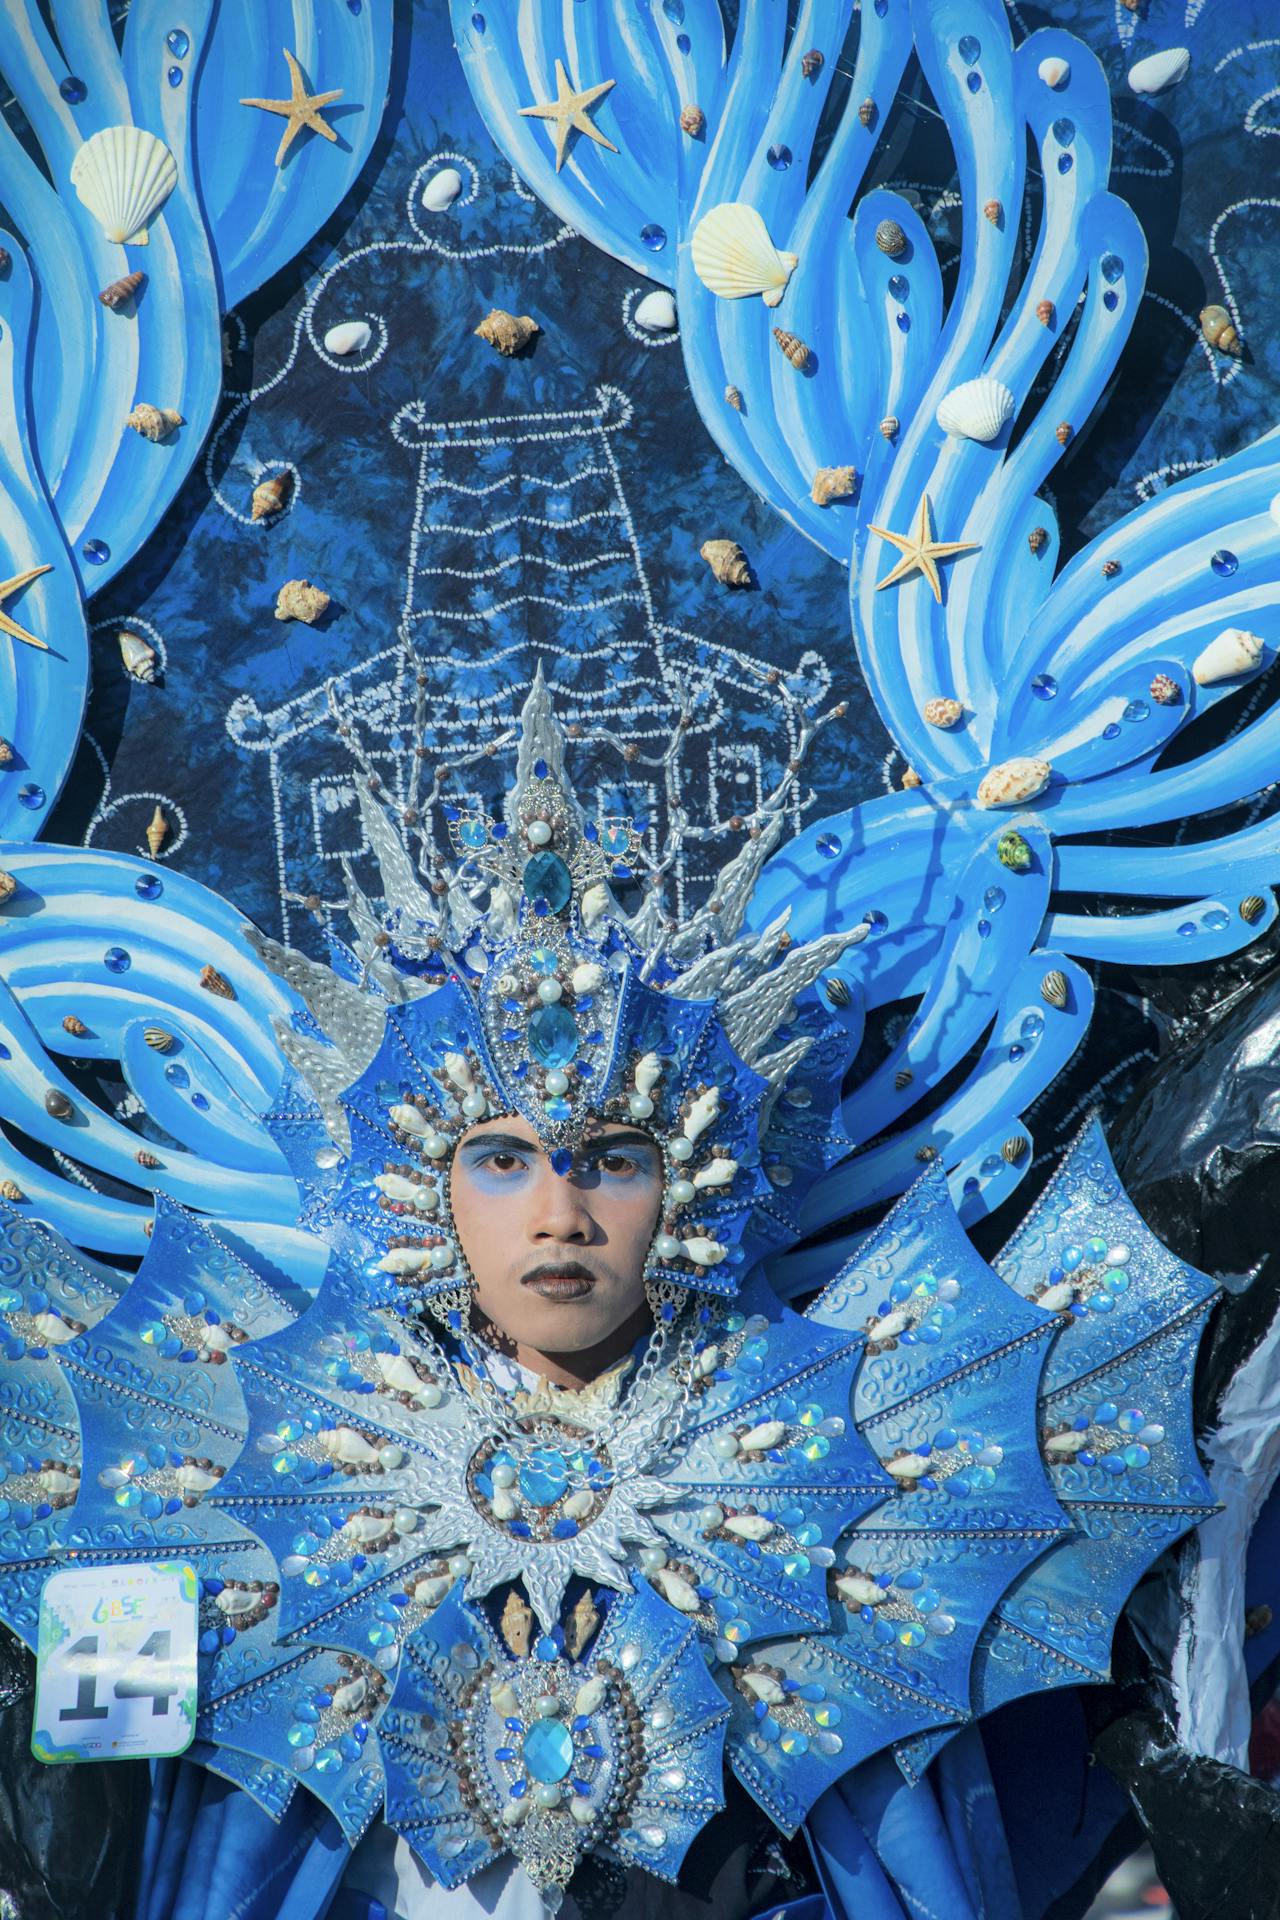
(509, 1142)
(625, 1137)
(602, 1143)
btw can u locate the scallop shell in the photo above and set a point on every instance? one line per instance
(154, 423)
(890, 238)
(1053, 988)
(693, 120)
(124, 176)
(122, 290)
(833, 483)
(1159, 70)
(943, 712)
(299, 600)
(159, 1038)
(1055, 72)
(977, 409)
(1219, 329)
(349, 336)
(442, 189)
(727, 561)
(139, 657)
(271, 496)
(1252, 908)
(795, 349)
(157, 831)
(1232, 653)
(1012, 782)
(510, 333)
(656, 312)
(733, 255)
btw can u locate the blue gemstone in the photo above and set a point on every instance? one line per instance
(553, 1036)
(779, 158)
(548, 1751)
(544, 1477)
(1224, 561)
(546, 877)
(177, 1075)
(174, 76)
(31, 795)
(96, 550)
(561, 1161)
(177, 42)
(974, 82)
(970, 49)
(147, 887)
(117, 960)
(73, 90)
(654, 237)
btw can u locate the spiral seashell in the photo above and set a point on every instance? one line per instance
(733, 255)
(1164, 691)
(145, 1159)
(727, 561)
(159, 1039)
(121, 291)
(299, 600)
(157, 831)
(1055, 72)
(734, 398)
(1015, 1148)
(1232, 653)
(124, 176)
(1038, 539)
(833, 483)
(74, 1025)
(1064, 432)
(910, 778)
(702, 1112)
(8, 886)
(889, 426)
(693, 121)
(1044, 312)
(139, 656)
(1054, 989)
(716, 1173)
(1252, 908)
(441, 190)
(812, 63)
(214, 982)
(6, 753)
(770, 1433)
(154, 423)
(927, 1154)
(674, 1587)
(903, 1078)
(994, 212)
(793, 347)
(1219, 329)
(859, 1591)
(891, 239)
(10, 1190)
(868, 113)
(647, 1074)
(1159, 70)
(271, 496)
(943, 712)
(510, 333)
(976, 410)
(1013, 782)
(405, 1260)
(1013, 852)
(1110, 568)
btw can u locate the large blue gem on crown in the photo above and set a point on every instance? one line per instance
(547, 882)
(553, 1036)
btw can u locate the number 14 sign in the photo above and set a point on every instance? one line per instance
(116, 1665)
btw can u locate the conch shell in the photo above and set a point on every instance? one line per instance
(299, 600)
(154, 423)
(157, 831)
(795, 349)
(833, 483)
(510, 333)
(1219, 329)
(727, 561)
(271, 496)
(139, 657)
(1231, 654)
(122, 290)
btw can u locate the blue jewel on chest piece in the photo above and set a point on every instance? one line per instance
(548, 1751)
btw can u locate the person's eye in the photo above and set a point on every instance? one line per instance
(619, 1165)
(502, 1160)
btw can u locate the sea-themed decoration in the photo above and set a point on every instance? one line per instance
(1165, 691)
(74, 1025)
(811, 63)
(890, 238)
(8, 886)
(1252, 908)
(1015, 1149)
(214, 982)
(140, 657)
(733, 255)
(1064, 432)
(903, 1078)
(6, 260)
(510, 333)
(1038, 539)
(1013, 852)
(442, 189)
(1110, 568)
(727, 561)
(154, 423)
(124, 175)
(910, 779)
(271, 496)
(734, 398)
(568, 113)
(1044, 312)
(1159, 70)
(920, 551)
(1053, 989)
(693, 120)
(993, 211)
(1013, 782)
(57, 1105)
(1219, 329)
(833, 483)
(13, 585)
(299, 600)
(121, 291)
(977, 409)
(11, 1191)
(868, 113)
(147, 1159)
(792, 347)
(349, 336)
(159, 1039)
(656, 312)
(1232, 653)
(1054, 71)
(301, 109)
(6, 752)
(157, 831)
(943, 712)
(889, 426)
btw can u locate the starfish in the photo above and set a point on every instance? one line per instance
(301, 109)
(920, 551)
(569, 111)
(10, 586)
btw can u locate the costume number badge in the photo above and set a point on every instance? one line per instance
(116, 1664)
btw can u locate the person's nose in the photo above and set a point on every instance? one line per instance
(561, 1214)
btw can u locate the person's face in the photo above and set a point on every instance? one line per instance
(558, 1260)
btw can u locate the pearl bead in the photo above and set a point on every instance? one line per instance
(549, 991)
(641, 1106)
(429, 1395)
(725, 1446)
(556, 1082)
(441, 1257)
(682, 1192)
(547, 1796)
(710, 1518)
(538, 833)
(651, 1558)
(546, 1705)
(503, 1476)
(435, 1146)
(666, 1246)
(680, 1148)
(475, 1106)
(459, 1565)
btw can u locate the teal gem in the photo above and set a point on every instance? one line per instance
(553, 1036)
(548, 1751)
(474, 833)
(546, 877)
(544, 1479)
(557, 1109)
(543, 959)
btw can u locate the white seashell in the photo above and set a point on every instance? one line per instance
(351, 336)
(368, 1528)
(648, 1073)
(859, 1591)
(196, 1479)
(656, 312)
(409, 1119)
(734, 256)
(749, 1526)
(502, 1698)
(760, 1439)
(702, 1113)
(405, 1260)
(516, 1812)
(502, 912)
(396, 1187)
(1012, 782)
(56, 1480)
(1159, 70)
(505, 1505)
(764, 1686)
(1066, 1443)
(590, 1694)
(889, 1326)
(1274, 508)
(124, 176)
(234, 1600)
(458, 1068)
(215, 1339)
(703, 1252)
(431, 1589)
(1054, 71)
(977, 409)
(348, 1446)
(350, 1696)
(442, 189)
(397, 1373)
(54, 1331)
(675, 1588)
(578, 1505)
(594, 902)
(717, 1173)
(140, 658)
(1233, 652)
(586, 977)
(1058, 1298)
(707, 1362)
(909, 1466)
(581, 1810)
